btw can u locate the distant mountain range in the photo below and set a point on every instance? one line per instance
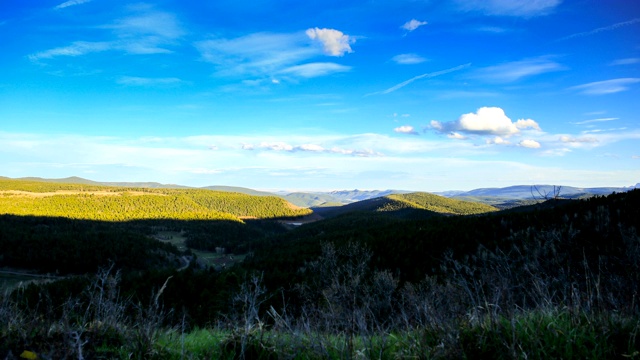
(500, 197)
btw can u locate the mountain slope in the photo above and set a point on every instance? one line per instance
(410, 205)
(530, 192)
(94, 202)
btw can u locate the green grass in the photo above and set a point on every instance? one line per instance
(531, 335)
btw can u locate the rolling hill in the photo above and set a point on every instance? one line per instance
(416, 204)
(109, 203)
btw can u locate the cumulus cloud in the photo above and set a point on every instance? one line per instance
(531, 144)
(524, 8)
(606, 87)
(70, 3)
(413, 24)
(334, 42)
(312, 70)
(497, 141)
(408, 59)
(527, 124)
(455, 135)
(406, 129)
(517, 70)
(486, 121)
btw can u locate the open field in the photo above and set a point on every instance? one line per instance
(207, 258)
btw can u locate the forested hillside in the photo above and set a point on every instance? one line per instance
(553, 280)
(92, 202)
(410, 205)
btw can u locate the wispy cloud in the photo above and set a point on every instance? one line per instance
(578, 140)
(147, 32)
(523, 8)
(595, 121)
(518, 70)
(601, 29)
(144, 81)
(70, 3)
(77, 48)
(606, 87)
(423, 76)
(408, 59)
(627, 61)
(295, 162)
(413, 24)
(312, 70)
(269, 54)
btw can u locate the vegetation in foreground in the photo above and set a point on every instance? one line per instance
(554, 281)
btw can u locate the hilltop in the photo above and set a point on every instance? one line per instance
(500, 197)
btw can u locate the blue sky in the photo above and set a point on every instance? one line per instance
(288, 95)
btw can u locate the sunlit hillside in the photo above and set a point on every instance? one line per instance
(91, 202)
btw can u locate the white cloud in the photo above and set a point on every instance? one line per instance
(517, 70)
(413, 24)
(527, 124)
(524, 8)
(368, 161)
(149, 32)
(160, 24)
(334, 42)
(497, 141)
(312, 70)
(406, 129)
(627, 61)
(455, 135)
(423, 76)
(606, 87)
(142, 81)
(574, 140)
(267, 55)
(70, 3)
(311, 147)
(531, 144)
(595, 121)
(276, 146)
(408, 59)
(77, 48)
(486, 121)
(601, 29)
